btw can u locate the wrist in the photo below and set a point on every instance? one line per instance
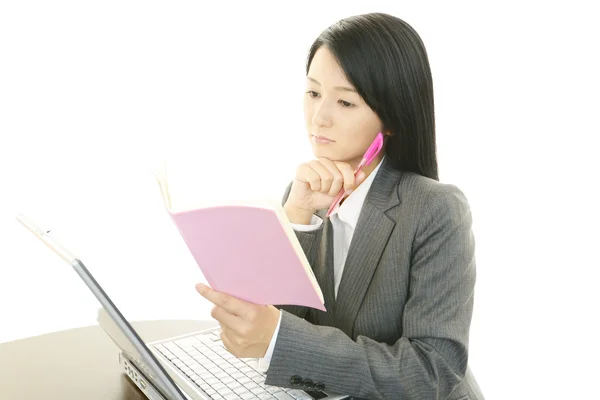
(298, 215)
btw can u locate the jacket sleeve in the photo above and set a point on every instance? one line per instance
(430, 358)
(309, 242)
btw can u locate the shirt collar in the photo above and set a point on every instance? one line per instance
(349, 210)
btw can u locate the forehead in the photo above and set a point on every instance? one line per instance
(325, 68)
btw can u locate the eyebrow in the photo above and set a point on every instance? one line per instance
(344, 88)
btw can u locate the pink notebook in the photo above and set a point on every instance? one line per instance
(248, 251)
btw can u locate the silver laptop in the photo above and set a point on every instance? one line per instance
(193, 366)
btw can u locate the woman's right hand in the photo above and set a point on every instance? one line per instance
(316, 184)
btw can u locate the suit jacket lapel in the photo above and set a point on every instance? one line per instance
(368, 242)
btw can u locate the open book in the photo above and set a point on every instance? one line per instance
(246, 250)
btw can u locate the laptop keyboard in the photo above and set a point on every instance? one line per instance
(205, 360)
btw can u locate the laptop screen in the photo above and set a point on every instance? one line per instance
(135, 346)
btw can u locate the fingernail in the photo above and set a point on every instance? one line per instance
(201, 288)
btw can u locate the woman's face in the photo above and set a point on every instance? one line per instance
(340, 125)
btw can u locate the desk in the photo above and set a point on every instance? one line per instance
(79, 363)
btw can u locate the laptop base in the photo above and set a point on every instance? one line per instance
(138, 379)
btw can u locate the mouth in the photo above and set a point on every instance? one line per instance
(322, 139)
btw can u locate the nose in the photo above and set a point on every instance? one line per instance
(322, 116)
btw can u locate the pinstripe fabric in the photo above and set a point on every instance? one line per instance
(399, 328)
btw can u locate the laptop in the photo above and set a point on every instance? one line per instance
(195, 366)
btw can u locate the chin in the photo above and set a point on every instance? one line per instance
(320, 152)
(329, 156)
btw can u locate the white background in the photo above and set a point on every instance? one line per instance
(94, 94)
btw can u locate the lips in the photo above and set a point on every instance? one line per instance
(322, 139)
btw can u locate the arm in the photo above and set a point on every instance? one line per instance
(430, 359)
(308, 236)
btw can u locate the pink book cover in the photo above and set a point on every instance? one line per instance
(244, 251)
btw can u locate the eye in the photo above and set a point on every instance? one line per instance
(312, 93)
(345, 104)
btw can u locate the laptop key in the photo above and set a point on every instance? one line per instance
(221, 375)
(226, 392)
(281, 395)
(244, 379)
(212, 381)
(260, 392)
(239, 390)
(237, 375)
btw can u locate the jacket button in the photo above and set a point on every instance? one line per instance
(296, 380)
(320, 386)
(308, 384)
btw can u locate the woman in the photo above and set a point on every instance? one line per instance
(395, 260)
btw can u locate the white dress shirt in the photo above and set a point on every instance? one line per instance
(343, 220)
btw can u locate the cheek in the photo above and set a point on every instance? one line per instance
(361, 124)
(364, 129)
(370, 124)
(307, 112)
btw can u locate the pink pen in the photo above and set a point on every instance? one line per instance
(369, 156)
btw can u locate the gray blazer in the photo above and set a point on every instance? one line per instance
(399, 328)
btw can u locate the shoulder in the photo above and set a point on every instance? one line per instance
(433, 200)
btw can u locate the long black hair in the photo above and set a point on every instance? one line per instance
(384, 58)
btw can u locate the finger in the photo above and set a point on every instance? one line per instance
(226, 331)
(229, 303)
(326, 176)
(360, 178)
(306, 174)
(349, 180)
(227, 320)
(337, 176)
(225, 338)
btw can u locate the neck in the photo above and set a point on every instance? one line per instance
(369, 168)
